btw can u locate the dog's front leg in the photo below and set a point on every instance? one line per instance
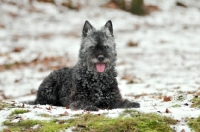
(86, 105)
(128, 104)
(118, 102)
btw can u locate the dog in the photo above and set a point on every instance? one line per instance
(91, 84)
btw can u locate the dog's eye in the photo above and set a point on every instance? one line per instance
(106, 46)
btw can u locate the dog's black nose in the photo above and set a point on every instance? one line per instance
(100, 57)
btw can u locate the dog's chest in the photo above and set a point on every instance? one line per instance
(98, 91)
(100, 97)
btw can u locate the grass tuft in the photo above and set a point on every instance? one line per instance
(176, 105)
(196, 102)
(6, 105)
(19, 111)
(195, 124)
(45, 115)
(129, 120)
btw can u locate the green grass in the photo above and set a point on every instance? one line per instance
(136, 122)
(176, 105)
(195, 124)
(45, 115)
(44, 126)
(19, 111)
(129, 120)
(4, 105)
(196, 102)
(181, 97)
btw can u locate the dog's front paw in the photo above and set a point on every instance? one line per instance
(91, 108)
(129, 104)
(134, 105)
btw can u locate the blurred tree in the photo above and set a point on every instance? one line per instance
(123, 5)
(46, 1)
(69, 4)
(134, 6)
(137, 7)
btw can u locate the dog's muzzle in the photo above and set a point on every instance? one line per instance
(100, 66)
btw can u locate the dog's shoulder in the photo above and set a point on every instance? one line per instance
(58, 75)
(61, 71)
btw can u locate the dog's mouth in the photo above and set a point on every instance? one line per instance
(100, 67)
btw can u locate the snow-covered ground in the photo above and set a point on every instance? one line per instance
(36, 38)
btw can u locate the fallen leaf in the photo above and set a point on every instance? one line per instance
(23, 105)
(183, 130)
(19, 117)
(17, 49)
(181, 4)
(48, 108)
(12, 14)
(167, 111)
(46, 35)
(35, 106)
(61, 121)
(128, 78)
(17, 80)
(2, 26)
(81, 125)
(6, 130)
(67, 107)
(47, 1)
(158, 111)
(132, 44)
(152, 8)
(166, 98)
(64, 114)
(112, 4)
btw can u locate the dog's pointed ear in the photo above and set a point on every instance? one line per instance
(109, 28)
(87, 28)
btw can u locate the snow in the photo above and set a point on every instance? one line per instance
(3, 117)
(166, 61)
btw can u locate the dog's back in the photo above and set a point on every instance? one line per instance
(52, 87)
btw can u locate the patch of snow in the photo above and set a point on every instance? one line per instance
(165, 62)
(3, 117)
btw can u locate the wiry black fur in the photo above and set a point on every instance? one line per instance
(83, 87)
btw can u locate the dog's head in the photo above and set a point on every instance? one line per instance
(98, 47)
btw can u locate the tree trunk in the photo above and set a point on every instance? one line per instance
(137, 7)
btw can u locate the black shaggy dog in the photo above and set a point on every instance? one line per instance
(91, 83)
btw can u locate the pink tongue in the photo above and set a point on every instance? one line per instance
(100, 67)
